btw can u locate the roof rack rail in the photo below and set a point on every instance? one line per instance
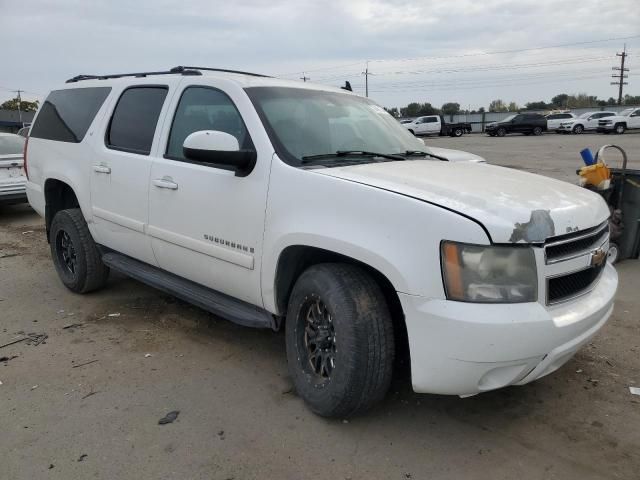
(209, 69)
(175, 70)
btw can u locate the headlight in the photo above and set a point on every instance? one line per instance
(489, 274)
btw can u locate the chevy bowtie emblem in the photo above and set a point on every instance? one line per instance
(598, 257)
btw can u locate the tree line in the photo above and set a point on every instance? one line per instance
(561, 101)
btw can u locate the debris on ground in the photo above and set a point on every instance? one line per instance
(72, 325)
(6, 359)
(221, 434)
(0, 382)
(85, 363)
(89, 394)
(82, 457)
(113, 315)
(51, 465)
(12, 342)
(147, 355)
(36, 339)
(27, 232)
(634, 390)
(169, 417)
(8, 254)
(34, 387)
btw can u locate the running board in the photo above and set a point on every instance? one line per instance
(232, 309)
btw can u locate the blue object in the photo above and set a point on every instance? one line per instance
(587, 157)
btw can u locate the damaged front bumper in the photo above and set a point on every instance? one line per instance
(462, 348)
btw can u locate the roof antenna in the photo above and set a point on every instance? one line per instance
(347, 86)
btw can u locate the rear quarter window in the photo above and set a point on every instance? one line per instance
(65, 116)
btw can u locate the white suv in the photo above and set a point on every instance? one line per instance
(586, 121)
(273, 202)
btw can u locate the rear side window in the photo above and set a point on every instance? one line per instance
(135, 118)
(66, 115)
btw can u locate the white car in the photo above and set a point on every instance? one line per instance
(12, 177)
(628, 119)
(555, 119)
(276, 204)
(586, 122)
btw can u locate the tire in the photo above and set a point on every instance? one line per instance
(501, 132)
(74, 253)
(537, 131)
(619, 128)
(457, 132)
(578, 129)
(349, 307)
(613, 254)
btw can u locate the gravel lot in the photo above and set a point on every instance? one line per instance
(65, 418)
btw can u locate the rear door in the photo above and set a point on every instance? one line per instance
(121, 167)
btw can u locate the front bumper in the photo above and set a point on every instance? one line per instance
(465, 348)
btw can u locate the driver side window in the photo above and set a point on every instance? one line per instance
(204, 108)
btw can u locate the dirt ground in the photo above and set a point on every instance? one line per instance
(85, 402)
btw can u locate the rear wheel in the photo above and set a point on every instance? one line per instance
(620, 128)
(501, 132)
(75, 255)
(537, 131)
(578, 129)
(339, 336)
(457, 132)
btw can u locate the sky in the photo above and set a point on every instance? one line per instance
(465, 51)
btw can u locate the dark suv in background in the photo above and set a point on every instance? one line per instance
(527, 123)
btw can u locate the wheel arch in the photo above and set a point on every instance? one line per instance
(58, 195)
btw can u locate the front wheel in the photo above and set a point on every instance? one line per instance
(501, 132)
(613, 253)
(339, 336)
(457, 132)
(75, 255)
(578, 129)
(537, 131)
(619, 129)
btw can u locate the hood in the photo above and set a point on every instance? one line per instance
(513, 206)
(456, 155)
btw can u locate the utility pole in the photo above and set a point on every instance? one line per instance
(304, 78)
(19, 105)
(366, 79)
(621, 76)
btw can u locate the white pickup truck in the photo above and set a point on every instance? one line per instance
(628, 119)
(277, 203)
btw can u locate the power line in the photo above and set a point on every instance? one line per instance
(495, 52)
(621, 76)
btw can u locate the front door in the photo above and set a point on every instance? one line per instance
(206, 223)
(120, 171)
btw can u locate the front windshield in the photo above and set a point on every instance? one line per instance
(508, 119)
(304, 123)
(627, 112)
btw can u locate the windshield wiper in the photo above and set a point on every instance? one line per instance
(348, 153)
(413, 153)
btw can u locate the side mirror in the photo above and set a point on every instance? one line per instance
(219, 148)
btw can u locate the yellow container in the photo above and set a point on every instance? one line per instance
(595, 174)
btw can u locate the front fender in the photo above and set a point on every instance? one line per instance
(399, 236)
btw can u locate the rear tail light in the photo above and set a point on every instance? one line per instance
(24, 154)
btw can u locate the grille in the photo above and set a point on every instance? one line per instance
(567, 286)
(565, 247)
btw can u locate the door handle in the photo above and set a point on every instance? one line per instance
(102, 169)
(165, 182)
